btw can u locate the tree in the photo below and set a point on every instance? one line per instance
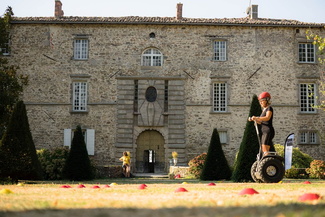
(215, 166)
(18, 158)
(11, 84)
(77, 166)
(249, 147)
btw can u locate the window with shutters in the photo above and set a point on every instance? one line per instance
(89, 136)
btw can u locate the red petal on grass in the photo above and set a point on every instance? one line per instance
(181, 190)
(306, 182)
(248, 191)
(95, 186)
(106, 186)
(309, 196)
(65, 186)
(81, 186)
(211, 184)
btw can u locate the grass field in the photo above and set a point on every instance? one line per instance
(159, 198)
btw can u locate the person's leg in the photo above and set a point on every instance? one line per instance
(265, 141)
(127, 171)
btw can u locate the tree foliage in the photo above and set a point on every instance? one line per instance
(215, 166)
(78, 166)
(11, 84)
(18, 158)
(249, 147)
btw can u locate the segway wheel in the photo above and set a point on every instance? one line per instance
(271, 170)
(253, 170)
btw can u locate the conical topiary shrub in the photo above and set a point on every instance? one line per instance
(249, 147)
(215, 166)
(77, 166)
(18, 158)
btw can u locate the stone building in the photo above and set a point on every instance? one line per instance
(153, 85)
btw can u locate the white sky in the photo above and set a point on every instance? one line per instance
(302, 10)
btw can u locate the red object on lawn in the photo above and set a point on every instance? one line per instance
(106, 186)
(95, 186)
(178, 176)
(306, 182)
(248, 191)
(81, 186)
(181, 190)
(142, 186)
(309, 196)
(65, 186)
(211, 184)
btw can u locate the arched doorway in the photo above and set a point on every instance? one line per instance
(150, 152)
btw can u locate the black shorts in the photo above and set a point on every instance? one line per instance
(267, 136)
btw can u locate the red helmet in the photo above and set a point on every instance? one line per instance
(264, 95)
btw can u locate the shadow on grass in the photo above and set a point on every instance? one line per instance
(291, 210)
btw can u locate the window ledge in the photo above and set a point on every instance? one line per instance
(79, 112)
(151, 67)
(220, 113)
(307, 113)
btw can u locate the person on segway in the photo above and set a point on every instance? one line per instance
(265, 120)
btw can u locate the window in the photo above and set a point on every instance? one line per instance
(306, 52)
(223, 137)
(81, 49)
(308, 137)
(219, 97)
(307, 97)
(152, 57)
(89, 135)
(79, 99)
(220, 50)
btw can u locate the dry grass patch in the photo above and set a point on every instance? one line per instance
(160, 199)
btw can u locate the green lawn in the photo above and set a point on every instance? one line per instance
(159, 198)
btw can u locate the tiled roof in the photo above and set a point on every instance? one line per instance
(246, 21)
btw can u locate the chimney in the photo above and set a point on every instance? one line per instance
(179, 14)
(58, 9)
(252, 11)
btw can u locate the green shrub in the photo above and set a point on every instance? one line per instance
(249, 147)
(18, 158)
(215, 166)
(77, 166)
(317, 169)
(53, 161)
(196, 165)
(300, 161)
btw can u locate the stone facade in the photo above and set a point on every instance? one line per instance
(262, 55)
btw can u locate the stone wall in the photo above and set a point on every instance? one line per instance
(258, 59)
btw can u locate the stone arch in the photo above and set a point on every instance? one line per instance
(150, 152)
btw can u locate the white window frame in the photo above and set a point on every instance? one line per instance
(81, 48)
(219, 50)
(79, 96)
(308, 137)
(152, 57)
(89, 135)
(219, 96)
(306, 52)
(307, 97)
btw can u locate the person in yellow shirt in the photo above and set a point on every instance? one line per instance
(126, 164)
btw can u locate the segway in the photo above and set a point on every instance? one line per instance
(267, 168)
